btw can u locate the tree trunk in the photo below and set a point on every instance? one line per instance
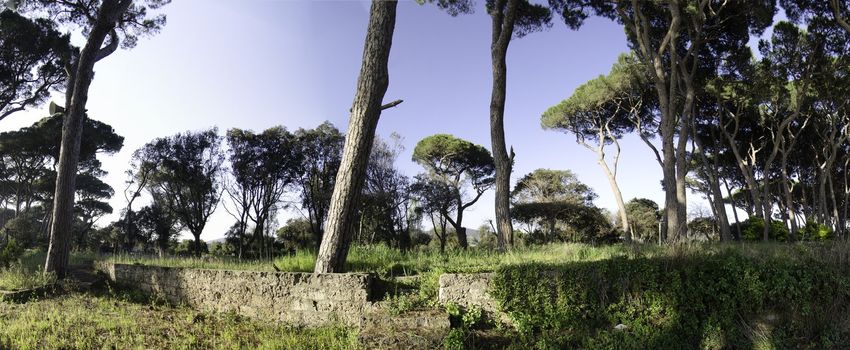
(457, 224)
(366, 110)
(790, 212)
(197, 244)
(503, 24)
(682, 164)
(72, 129)
(715, 194)
(462, 241)
(734, 211)
(618, 196)
(671, 203)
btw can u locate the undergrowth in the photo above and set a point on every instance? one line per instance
(728, 299)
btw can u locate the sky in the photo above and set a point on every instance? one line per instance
(255, 64)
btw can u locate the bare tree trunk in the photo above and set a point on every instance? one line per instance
(716, 195)
(618, 197)
(371, 86)
(734, 210)
(460, 233)
(457, 224)
(835, 217)
(503, 27)
(80, 80)
(790, 212)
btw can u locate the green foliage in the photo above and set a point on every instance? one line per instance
(445, 156)
(567, 221)
(10, 252)
(186, 176)
(32, 54)
(643, 217)
(321, 149)
(546, 185)
(24, 269)
(610, 106)
(25, 229)
(464, 321)
(714, 301)
(189, 247)
(387, 211)
(296, 235)
(813, 231)
(753, 230)
(452, 165)
(703, 227)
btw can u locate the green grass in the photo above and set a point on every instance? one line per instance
(18, 278)
(389, 262)
(26, 273)
(92, 321)
(393, 262)
(88, 321)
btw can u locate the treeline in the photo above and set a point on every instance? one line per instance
(254, 178)
(28, 160)
(766, 133)
(174, 184)
(259, 175)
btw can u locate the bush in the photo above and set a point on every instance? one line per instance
(813, 231)
(420, 239)
(720, 301)
(187, 247)
(10, 253)
(753, 230)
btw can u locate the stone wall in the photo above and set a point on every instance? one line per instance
(298, 299)
(470, 290)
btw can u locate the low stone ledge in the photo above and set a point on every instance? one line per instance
(298, 299)
(471, 290)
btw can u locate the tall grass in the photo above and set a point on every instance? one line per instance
(27, 272)
(86, 321)
(389, 262)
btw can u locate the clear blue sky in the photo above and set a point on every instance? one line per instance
(260, 63)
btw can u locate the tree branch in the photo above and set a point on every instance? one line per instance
(109, 48)
(836, 12)
(391, 104)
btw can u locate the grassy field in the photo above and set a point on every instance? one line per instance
(389, 262)
(25, 274)
(114, 321)
(119, 320)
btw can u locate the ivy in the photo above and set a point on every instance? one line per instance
(720, 301)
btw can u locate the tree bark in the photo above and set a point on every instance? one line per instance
(618, 196)
(503, 27)
(715, 194)
(80, 80)
(371, 87)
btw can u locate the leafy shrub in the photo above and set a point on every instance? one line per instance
(10, 253)
(420, 239)
(186, 247)
(719, 301)
(753, 230)
(813, 231)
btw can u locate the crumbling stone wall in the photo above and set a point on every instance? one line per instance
(298, 299)
(470, 290)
